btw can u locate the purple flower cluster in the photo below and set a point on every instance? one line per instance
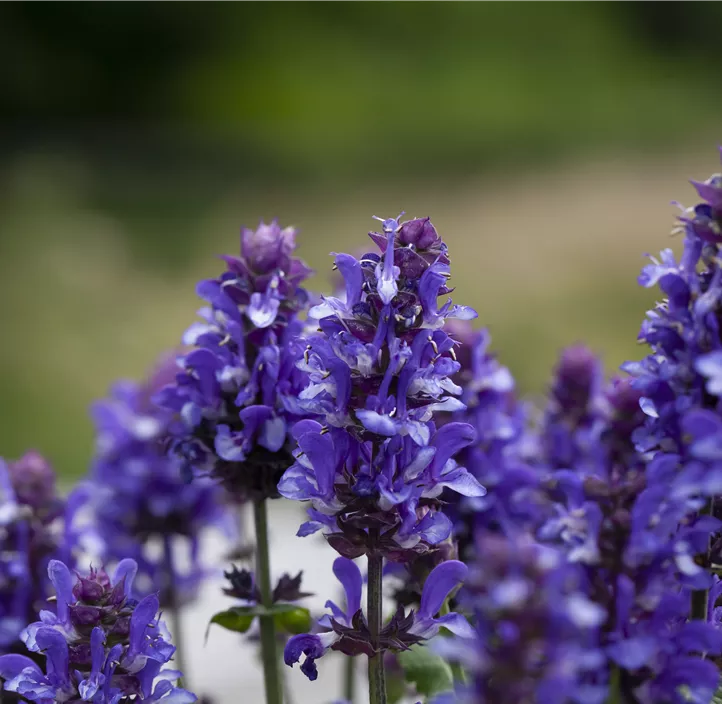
(31, 526)
(681, 374)
(100, 645)
(237, 392)
(374, 464)
(498, 457)
(535, 637)
(138, 496)
(346, 629)
(622, 524)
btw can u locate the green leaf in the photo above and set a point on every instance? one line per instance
(237, 619)
(294, 620)
(288, 617)
(430, 673)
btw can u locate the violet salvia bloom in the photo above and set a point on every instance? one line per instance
(374, 464)
(31, 525)
(498, 457)
(630, 534)
(681, 373)
(237, 392)
(346, 630)
(535, 637)
(100, 645)
(137, 494)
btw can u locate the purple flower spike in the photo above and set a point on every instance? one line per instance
(76, 642)
(379, 371)
(136, 494)
(236, 395)
(33, 521)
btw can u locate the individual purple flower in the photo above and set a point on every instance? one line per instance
(346, 630)
(32, 527)
(137, 495)
(100, 645)
(374, 464)
(237, 389)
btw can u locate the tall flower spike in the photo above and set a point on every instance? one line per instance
(535, 632)
(31, 518)
(138, 496)
(632, 539)
(346, 630)
(100, 646)
(498, 457)
(379, 369)
(683, 329)
(237, 392)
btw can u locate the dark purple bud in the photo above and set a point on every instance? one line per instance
(33, 480)
(82, 615)
(419, 232)
(289, 588)
(121, 627)
(87, 590)
(577, 378)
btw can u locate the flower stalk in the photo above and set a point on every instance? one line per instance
(174, 611)
(377, 675)
(269, 655)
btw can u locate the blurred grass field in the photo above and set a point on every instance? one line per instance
(547, 258)
(545, 140)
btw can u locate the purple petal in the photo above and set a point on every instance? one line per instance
(457, 624)
(63, 582)
(632, 653)
(126, 569)
(462, 483)
(273, 434)
(443, 578)
(348, 573)
(53, 644)
(12, 665)
(142, 617)
(350, 269)
(448, 440)
(377, 423)
(320, 452)
(309, 528)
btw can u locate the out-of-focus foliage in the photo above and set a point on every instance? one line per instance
(328, 90)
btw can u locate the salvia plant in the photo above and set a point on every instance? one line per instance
(490, 549)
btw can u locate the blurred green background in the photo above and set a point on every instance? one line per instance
(545, 140)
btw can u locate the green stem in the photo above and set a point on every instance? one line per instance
(457, 670)
(271, 674)
(349, 679)
(700, 597)
(174, 615)
(377, 674)
(614, 693)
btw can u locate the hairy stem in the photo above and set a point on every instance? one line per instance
(269, 655)
(377, 675)
(174, 615)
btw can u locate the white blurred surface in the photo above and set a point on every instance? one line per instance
(227, 668)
